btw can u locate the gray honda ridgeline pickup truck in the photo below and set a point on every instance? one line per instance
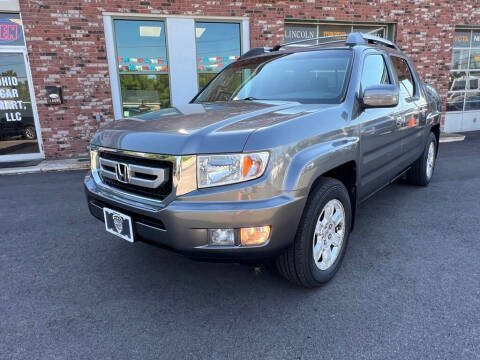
(271, 159)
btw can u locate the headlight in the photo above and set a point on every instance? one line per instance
(215, 170)
(93, 159)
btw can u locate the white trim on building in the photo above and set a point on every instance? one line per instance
(10, 5)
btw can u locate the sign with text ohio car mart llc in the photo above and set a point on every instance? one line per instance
(11, 30)
(10, 104)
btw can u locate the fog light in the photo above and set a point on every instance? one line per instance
(254, 235)
(221, 237)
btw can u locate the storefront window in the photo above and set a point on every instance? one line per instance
(464, 82)
(305, 31)
(218, 44)
(142, 66)
(296, 32)
(17, 125)
(11, 30)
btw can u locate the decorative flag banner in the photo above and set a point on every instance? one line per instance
(131, 67)
(138, 67)
(120, 60)
(126, 59)
(147, 61)
(145, 67)
(154, 61)
(133, 59)
(140, 60)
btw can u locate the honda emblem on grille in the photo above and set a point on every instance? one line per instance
(122, 172)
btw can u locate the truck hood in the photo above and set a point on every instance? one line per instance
(199, 128)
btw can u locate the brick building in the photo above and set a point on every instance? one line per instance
(68, 66)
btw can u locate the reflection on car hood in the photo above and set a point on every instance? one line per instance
(199, 128)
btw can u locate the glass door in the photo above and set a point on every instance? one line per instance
(20, 137)
(19, 130)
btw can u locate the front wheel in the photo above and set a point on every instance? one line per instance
(421, 171)
(319, 246)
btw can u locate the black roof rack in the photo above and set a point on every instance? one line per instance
(365, 39)
(352, 39)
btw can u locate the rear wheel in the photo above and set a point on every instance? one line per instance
(319, 246)
(421, 171)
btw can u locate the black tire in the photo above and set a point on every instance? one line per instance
(297, 263)
(417, 175)
(29, 133)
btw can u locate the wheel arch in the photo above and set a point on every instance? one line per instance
(346, 173)
(335, 159)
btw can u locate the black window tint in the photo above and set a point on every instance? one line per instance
(405, 78)
(374, 71)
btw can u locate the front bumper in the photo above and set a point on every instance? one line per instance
(182, 224)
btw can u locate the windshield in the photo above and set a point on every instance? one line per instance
(307, 77)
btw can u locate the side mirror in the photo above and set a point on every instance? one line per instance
(380, 96)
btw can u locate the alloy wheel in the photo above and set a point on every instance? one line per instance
(329, 234)
(430, 160)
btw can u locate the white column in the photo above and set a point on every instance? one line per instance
(245, 36)
(9, 5)
(182, 61)
(112, 67)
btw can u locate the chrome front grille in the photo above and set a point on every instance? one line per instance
(147, 177)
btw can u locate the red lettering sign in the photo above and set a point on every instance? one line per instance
(8, 32)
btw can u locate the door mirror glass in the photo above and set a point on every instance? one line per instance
(380, 96)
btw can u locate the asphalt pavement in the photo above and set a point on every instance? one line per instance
(409, 287)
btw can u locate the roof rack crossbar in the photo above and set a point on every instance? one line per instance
(364, 39)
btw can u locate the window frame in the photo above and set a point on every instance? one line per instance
(467, 70)
(389, 28)
(118, 73)
(176, 96)
(22, 49)
(416, 87)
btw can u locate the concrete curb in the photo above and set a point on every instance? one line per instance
(49, 165)
(451, 137)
